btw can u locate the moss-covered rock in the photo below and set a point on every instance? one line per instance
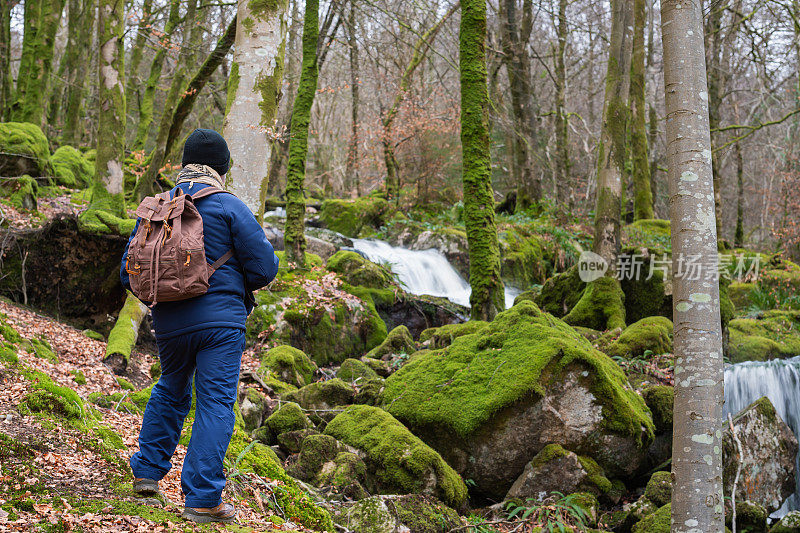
(443, 336)
(561, 292)
(253, 407)
(555, 469)
(657, 522)
(24, 150)
(292, 441)
(788, 524)
(22, 192)
(369, 392)
(660, 399)
(659, 488)
(653, 234)
(522, 255)
(358, 270)
(397, 341)
(750, 517)
(413, 513)
(739, 293)
(398, 461)
(773, 335)
(487, 392)
(601, 306)
(50, 399)
(289, 365)
(652, 334)
(322, 397)
(645, 295)
(71, 168)
(289, 417)
(355, 370)
(355, 218)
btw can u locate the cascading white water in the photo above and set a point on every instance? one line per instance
(778, 380)
(423, 271)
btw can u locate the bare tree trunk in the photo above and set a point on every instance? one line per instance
(642, 195)
(351, 173)
(563, 183)
(137, 50)
(81, 18)
(613, 137)
(738, 240)
(697, 500)
(484, 250)
(6, 81)
(253, 94)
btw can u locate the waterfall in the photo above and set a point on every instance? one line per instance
(778, 380)
(423, 271)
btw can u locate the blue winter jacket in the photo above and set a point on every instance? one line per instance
(227, 224)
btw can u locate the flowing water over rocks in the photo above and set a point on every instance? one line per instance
(778, 380)
(423, 271)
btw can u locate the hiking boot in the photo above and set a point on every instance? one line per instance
(223, 512)
(145, 487)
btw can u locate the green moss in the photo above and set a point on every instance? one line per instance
(290, 365)
(788, 524)
(94, 335)
(322, 395)
(400, 461)
(444, 336)
(398, 341)
(355, 370)
(657, 522)
(71, 168)
(48, 398)
(659, 488)
(7, 331)
(290, 417)
(39, 347)
(660, 399)
(424, 515)
(312, 260)
(264, 8)
(601, 306)
(355, 218)
(357, 270)
(78, 377)
(645, 297)
(597, 476)
(523, 257)
(652, 333)
(28, 141)
(774, 335)
(126, 328)
(561, 292)
(739, 293)
(22, 193)
(653, 234)
(515, 356)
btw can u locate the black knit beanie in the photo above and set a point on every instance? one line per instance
(207, 147)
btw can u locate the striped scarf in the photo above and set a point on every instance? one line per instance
(194, 173)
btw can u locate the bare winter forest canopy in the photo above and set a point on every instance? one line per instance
(515, 238)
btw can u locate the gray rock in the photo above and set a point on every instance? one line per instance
(768, 463)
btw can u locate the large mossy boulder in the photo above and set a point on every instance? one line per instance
(358, 270)
(652, 334)
(289, 417)
(443, 336)
(397, 461)
(355, 218)
(788, 524)
(660, 399)
(659, 488)
(772, 335)
(355, 370)
(561, 292)
(750, 517)
(23, 150)
(555, 469)
(769, 449)
(71, 168)
(289, 365)
(494, 399)
(657, 522)
(412, 513)
(322, 397)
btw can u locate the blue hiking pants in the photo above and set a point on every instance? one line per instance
(213, 356)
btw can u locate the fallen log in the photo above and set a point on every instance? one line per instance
(124, 334)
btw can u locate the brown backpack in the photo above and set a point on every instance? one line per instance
(166, 257)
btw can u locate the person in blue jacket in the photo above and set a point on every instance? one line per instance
(204, 338)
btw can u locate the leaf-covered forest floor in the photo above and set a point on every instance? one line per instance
(61, 475)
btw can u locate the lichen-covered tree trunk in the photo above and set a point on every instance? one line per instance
(108, 189)
(191, 40)
(136, 54)
(253, 93)
(351, 173)
(32, 104)
(611, 152)
(294, 231)
(148, 96)
(738, 240)
(697, 499)
(421, 48)
(81, 18)
(484, 251)
(642, 195)
(563, 185)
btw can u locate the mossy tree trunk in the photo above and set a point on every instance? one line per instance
(352, 179)
(421, 47)
(31, 25)
(6, 80)
(697, 499)
(148, 96)
(81, 17)
(613, 137)
(253, 93)
(484, 252)
(564, 190)
(294, 234)
(108, 189)
(738, 240)
(136, 54)
(36, 76)
(515, 34)
(642, 195)
(191, 39)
